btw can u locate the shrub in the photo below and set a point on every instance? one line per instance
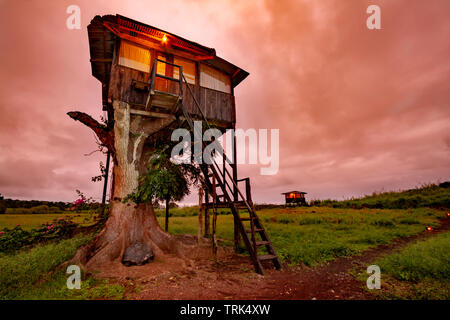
(2, 207)
(285, 220)
(310, 220)
(409, 221)
(16, 238)
(426, 259)
(21, 270)
(383, 223)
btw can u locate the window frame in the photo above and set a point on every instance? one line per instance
(215, 69)
(150, 51)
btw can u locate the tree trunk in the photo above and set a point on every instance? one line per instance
(128, 223)
(200, 215)
(167, 214)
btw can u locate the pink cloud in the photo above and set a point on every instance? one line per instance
(358, 110)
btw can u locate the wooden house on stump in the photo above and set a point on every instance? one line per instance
(295, 198)
(153, 82)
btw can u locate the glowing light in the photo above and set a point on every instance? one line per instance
(448, 215)
(164, 39)
(429, 228)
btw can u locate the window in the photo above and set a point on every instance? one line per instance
(188, 69)
(134, 57)
(214, 79)
(161, 66)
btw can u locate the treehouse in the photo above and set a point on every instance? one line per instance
(295, 198)
(153, 82)
(140, 65)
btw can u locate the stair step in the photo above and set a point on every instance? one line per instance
(256, 230)
(267, 257)
(210, 171)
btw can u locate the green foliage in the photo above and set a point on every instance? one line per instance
(54, 287)
(191, 211)
(21, 271)
(31, 274)
(317, 234)
(33, 221)
(102, 173)
(41, 209)
(165, 179)
(424, 259)
(430, 195)
(12, 203)
(420, 271)
(16, 238)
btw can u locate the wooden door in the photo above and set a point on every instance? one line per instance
(164, 69)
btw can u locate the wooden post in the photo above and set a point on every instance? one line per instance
(167, 213)
(105, 184)
(237, 235)
(206, 214)
(214, 239)
(200, 214)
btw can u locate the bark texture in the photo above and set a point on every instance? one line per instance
(131, 141)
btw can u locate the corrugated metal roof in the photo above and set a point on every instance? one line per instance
(102, 32)
(294, 192)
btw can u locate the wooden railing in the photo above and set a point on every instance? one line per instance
(155, 76)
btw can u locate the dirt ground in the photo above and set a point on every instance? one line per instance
(231, 276)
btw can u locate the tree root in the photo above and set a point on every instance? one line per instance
(126, 226)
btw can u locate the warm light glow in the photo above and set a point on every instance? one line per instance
(448, 215)
(164, 39)
(429, 228)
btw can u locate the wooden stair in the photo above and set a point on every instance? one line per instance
(252, 232)
(219, 178)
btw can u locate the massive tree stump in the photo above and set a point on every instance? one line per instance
(131, 140)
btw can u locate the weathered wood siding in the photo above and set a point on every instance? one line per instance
(120, 87)
(215, 105)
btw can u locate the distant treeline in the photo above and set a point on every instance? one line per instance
(430, 195)
(13, 203)
(14, 206)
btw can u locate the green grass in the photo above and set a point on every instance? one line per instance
(419, 271)
(307, 235)
(30, 274)
(22, 270)
(30, 221)
(186, 212)
(428, 195)
(419, 261)
(318, 234)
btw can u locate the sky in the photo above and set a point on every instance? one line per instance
(358, 110)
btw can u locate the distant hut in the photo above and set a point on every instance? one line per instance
(295, 198)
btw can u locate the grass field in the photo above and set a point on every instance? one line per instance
(28, 274)
(420, 271)
(30, 221)
(307, 235)
(311, 235)
(427, 195)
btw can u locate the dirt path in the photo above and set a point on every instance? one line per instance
(230, 278)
